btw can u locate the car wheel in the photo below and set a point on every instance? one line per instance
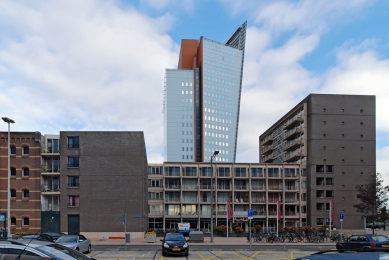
(163, 253)
(78, 249)
(89, 248)
(187, 254)
(340, 249)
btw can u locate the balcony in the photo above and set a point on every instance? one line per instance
(267, 149)
(290, 201)
(291, 188)
(240, 213)
(223, 187)
(268, 140)
(292, 122)
(293, 145)
(205, 199)
(267, 158)
(172, 200)
(291, 134)
(240, 187)
(294, 156)
(50, 170)
(156, 214)
(189, 200)
(172, 187)
(259, 212)
(73, 204)
(258, 200)
(49, 207)
(221, 213)
(257, 187)
(50, 154)
(189, 214)
(205, 186)
(189, 187)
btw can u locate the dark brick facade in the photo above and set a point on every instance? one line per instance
(22, 206)
(112, 181)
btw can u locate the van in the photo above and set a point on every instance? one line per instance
(184, 228)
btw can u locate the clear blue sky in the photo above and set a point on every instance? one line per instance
(99, 65)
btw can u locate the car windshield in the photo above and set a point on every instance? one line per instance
(380, 238)
(174, 237)
(67, 239)
(28, 236)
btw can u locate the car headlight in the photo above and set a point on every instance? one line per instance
(165, 245)
(185, 245)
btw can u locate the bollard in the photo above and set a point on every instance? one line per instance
(291, 255)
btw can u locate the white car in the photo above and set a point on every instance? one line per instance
(76, 242)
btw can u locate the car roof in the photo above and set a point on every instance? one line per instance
(23, 257)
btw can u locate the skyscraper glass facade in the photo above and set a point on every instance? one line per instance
(202, 100)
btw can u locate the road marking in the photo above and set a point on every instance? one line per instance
(239, 255)
(124, 255)
(201, 256)
(254, 255)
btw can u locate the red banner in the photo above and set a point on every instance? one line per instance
(278, 210)
(331, 210)
(229, 211)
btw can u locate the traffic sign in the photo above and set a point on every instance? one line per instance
(250, 214)
(2, 217)
(341, 217)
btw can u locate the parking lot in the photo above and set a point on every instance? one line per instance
(203, 255)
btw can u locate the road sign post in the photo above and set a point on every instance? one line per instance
(341, 217)
(250, 217)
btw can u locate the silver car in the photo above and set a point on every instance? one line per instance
(76, 242)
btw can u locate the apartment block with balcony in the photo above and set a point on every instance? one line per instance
(334, 137)
(181, 192)
(50, 183)
(25, 190)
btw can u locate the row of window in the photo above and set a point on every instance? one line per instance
(25, 221)
(221, 81)
(25, 150)
(216, 48)
(25, 193)
(213, 95)
(25, 171)
(220, 120)
(343, 135)
(221, 73)
(216, 127)
(218, 88)
(220, 57)
(220, 112)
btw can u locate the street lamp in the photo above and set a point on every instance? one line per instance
(9, 121)
(213, 157)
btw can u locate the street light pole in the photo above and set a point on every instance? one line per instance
(213, 157)
(9, 121)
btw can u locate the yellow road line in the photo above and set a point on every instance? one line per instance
(254, 254)
(124, 255)
(201, 256)
(238, 255)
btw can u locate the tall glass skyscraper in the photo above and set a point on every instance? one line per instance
(202, 100)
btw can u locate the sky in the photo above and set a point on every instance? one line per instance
(69, 65)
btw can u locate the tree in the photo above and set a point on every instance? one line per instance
(372, 196)
(384, 215)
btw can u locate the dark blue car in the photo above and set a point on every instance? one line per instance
(364, 241)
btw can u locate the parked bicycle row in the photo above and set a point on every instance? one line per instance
(295, 237)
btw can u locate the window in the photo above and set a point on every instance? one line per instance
(26, 221)
(26, 172)
(73, 162)
(13, 221)
(26, 194)
(26, 150)
(13, 171)
(319, 181)
(73, 142)
(329, 193)
(329, 168)
(13, 193)
(320, 206)
(73, 201)
(73, 181)
(13, 149)
(329, 181)
(240, 172)
(319, 168)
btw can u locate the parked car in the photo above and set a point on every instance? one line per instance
(16, 248)
(54, 234)
(357, 254)
(76, 242)
(363, 241)
(73, 253)
(23, 257)
(43, 237)
(175, 243)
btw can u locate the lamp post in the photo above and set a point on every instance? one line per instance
(9, 121)
(213, 157)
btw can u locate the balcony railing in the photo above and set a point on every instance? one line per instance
(172, 200)
(50, 169)
(205, 199)
(259, 212)
(174, 187)
(49, 207)
(240, 213)
(292, 133)
(257, 188)
(268, 140)
(224, 187)
(291, 122)
(241, 188)
(205, 186)
(189, 187)
(189, 200)
(189, 213)
(290, 201)
(258, 200)
(73, 204)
